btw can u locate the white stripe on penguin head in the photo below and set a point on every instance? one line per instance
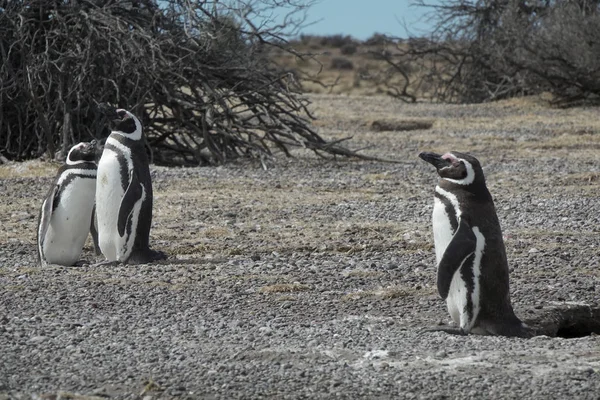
(135, 135)
(467, 180)
(72, 162)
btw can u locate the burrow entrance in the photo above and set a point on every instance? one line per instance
(566, 321)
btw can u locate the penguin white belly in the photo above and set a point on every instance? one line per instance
(70, 223)
(457, 300)
(442, 229)
(109, 194)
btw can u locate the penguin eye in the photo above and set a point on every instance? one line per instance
(454, 161)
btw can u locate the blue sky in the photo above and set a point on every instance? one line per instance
(362, 18)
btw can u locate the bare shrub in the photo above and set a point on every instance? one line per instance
(377, 39)
(310, 41)
(197, 74)
(494, 49)
(341, 63)
(336, 41)
(380, 54)
(349, 49)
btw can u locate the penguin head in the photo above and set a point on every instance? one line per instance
(82, 152)
(458, 168)
(127, 124)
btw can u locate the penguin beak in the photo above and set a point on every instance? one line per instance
(92, 146)
(435, 159)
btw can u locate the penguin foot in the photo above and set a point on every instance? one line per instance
(512, 329)
(105, 263)
(81, 263)
(146, 256)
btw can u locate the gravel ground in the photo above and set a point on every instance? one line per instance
(315, 278)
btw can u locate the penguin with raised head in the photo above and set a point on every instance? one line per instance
(66, 216)
(472, 270)
(124, 193)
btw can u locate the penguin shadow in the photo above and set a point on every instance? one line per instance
(558, 320)
(91, 259)
(91, 256)
(198, 261)
(161, 258)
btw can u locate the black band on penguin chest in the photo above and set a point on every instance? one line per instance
(123, 165)
(134, 149)
(450, 211)
(88, 166)
(135, 159)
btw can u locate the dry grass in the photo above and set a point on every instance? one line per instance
(284, 288)
(28, 169)
(363, 273)
(356, 81)
(150, 386)
(480, 128)
(14, 288)
(285, 298)
(585, 178)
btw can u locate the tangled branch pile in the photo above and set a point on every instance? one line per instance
(483, 50)
(194, 71)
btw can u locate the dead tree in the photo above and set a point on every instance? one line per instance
(196, 72)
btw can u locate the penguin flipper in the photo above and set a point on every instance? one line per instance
(132, 195)
(45, 217)
(94, 231)
(461, 247)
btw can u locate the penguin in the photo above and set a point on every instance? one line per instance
(67, 213)
(472, 269)
(124, 193)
